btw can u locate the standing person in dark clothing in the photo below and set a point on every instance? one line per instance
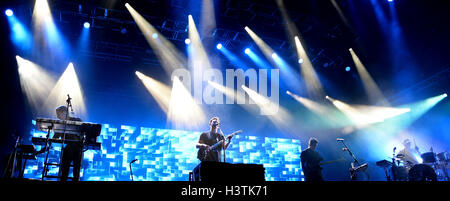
(208, 139)
(72, 152)
(205, 143)
(310, 159)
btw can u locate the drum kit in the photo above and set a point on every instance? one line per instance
(434, 167)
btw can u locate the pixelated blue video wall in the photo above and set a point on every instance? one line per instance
(169, 155)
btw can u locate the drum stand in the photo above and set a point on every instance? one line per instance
(443, 167)
(386, 173)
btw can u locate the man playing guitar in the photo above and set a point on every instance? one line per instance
(208, 139)
(310, 160)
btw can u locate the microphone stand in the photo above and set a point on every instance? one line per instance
(223, 145)
(131, 170)
(69, 105)
(394, 167)
(355, 161)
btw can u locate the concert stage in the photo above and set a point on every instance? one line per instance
(237, 92)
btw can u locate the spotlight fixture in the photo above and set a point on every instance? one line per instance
(187, 41)
(274, 55)
(247, 51)
(347, 68)
(219, 46)
(86, 25)
(154, 35)
(300, 61)
(123, 31)
(9, 12)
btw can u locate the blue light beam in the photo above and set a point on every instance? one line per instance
(20, 35)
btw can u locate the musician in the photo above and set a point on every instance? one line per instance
(310, 160)
(407, 154)
(72, 152)
(207, 139)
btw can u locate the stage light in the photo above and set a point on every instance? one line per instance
(400, 124)
(277, 114)
(159, 91)
(323, 111)
(263, 46)
(83, 41)
(46, 34)
(86, 25)
(390, 0)
(168, 55)
(274, 56)
(198, 58)
(36, 83)
(187, 41)
(300, 61)
(370, 86)
(9, 12)
(276, 61)
(341, 14)
(184, 112)
(312, 82)
(67, 84)
(20, 35)
(123, 31)
(219, 46)
(208, 17)
(154, 35)
(364, 115)
(347, 68)
(232, 57)
(445, 95)
(260, 62)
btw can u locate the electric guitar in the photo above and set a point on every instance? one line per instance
(318, 167)
(203, 153)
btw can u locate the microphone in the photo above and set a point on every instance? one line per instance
(133, 161)
(339, 139)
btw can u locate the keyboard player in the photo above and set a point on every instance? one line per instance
(72, 152)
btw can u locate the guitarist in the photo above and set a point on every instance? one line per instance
(310, 160)
(207, 139)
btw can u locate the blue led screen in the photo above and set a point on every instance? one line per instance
(169, 155)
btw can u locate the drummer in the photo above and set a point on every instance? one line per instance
(407, 155)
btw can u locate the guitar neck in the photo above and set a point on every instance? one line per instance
(221, 141)
(329, 162)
